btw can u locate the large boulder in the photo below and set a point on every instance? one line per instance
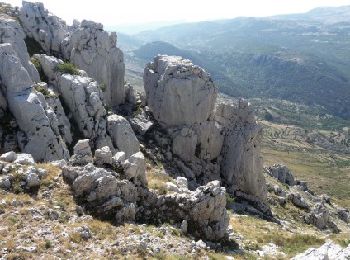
(82, 153)
(281, 173)
(122, 135)
(178, 92)
(30, 109)
(216, 140)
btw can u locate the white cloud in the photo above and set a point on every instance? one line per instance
(114, 12)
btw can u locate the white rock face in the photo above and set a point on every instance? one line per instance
(82, 153)
(122, 135)
(329, 251)
(28, 108)
(215, 139)
(242, 166)
(282, 173)
(135, 169)
(86, 45)
(8, 157)
(178, 92)
(47, 29)
(24, 159)
(103, 156)
(95, 51)
(84, 98)
(211, 138)
(11, 32)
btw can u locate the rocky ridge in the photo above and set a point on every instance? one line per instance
(101, 135)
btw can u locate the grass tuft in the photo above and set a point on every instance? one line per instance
(67, 68)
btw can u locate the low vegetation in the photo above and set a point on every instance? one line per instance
(44, 91)
(157, 177)
(68, 68)
(257, 233)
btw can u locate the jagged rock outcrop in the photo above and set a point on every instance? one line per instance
(317, 210)
(45, 28)
(178, 92)
(328, 251)
(215, 140)
(320, 217)
(12, 32)
(281, 173)
(84, 99)
(202, 209)
(95, 51)
(40, 138)
(86, 45)
(242, 166)
(110, 195)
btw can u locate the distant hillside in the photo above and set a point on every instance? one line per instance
(302, 58)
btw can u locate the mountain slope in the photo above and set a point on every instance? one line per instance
(303, 58)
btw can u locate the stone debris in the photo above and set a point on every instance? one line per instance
(329, 251)
(20, 174)
(281, 173)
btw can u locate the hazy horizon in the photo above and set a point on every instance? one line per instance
(126, 14)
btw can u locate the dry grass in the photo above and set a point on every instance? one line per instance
(258, 232)
(326, 172)
(157, 178)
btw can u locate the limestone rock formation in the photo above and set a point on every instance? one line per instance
(282, 173)
(86, 45)
(109, 194)
(122, 135)
(18, 174)
(95, 51)
(83, 97)
(12, 32)
(329, 251)
(213, 138)
(178, 92)
(45, 28)
(30, 109)
(241, 166)
(319, 216)
(82, 153)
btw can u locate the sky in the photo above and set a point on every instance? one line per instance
(129, 12)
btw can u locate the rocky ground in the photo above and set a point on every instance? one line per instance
(48, 222)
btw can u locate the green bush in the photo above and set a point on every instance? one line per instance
(43, 91)
(67, 68)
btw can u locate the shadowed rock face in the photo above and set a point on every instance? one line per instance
(222, 137)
